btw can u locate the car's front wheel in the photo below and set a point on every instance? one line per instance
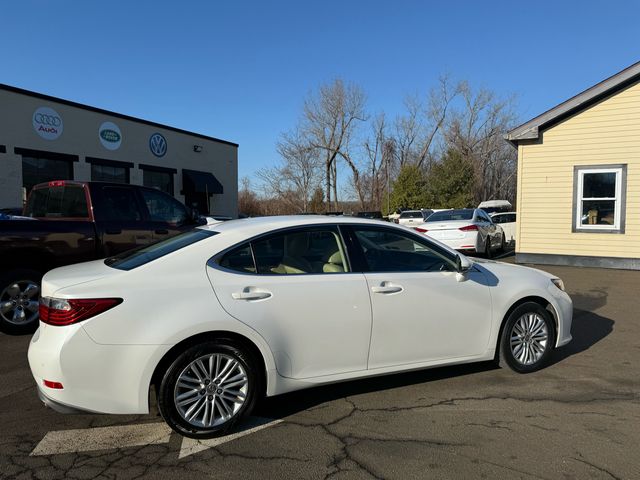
(527, 338)
(208, 388)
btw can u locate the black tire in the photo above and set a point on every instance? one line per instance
(506, 354)
(167, 390)
(503, 244)
(487, 248)
(22, 277)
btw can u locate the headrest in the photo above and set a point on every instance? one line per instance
(335, 258)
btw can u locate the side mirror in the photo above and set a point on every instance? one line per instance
(462, 264)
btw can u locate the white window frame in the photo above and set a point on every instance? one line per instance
(619, 200)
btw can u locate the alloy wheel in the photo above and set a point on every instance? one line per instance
(19, 302)
(211, 390)
(529, 338)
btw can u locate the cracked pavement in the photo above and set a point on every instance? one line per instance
(577, 419)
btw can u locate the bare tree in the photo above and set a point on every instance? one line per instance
(417, 132)
(248, 201)
(475, 131)
(298, 175)
(328, 123)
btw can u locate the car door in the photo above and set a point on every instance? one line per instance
(167, 216)
(119, 219)
(296, 289)
(422, 312)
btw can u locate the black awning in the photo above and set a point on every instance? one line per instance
(200, 182)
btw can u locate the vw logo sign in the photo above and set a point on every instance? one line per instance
(158, 145)
(47, 123)
(110, 136)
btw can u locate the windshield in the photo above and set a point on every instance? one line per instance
(64, 201)
(448, 215)
(134, 258)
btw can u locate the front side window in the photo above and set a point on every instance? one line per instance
(386, 250)
(599, 198)
(163, 208)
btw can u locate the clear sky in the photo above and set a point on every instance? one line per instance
(240, 70)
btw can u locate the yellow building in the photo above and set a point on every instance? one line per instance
(579, 178)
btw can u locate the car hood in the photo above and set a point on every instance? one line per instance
(501, 269)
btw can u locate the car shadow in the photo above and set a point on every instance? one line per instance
(291, 403)
(588, 328)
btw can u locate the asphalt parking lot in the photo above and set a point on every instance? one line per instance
(579, 418)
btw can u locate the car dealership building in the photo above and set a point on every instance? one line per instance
(44, 138)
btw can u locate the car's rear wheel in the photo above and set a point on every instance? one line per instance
(527, 338)
(208, 388)
(19, 294)
(487, 247)
(503, 243)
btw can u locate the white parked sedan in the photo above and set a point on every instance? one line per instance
(465, 229)
(507, 222)
(215, 318)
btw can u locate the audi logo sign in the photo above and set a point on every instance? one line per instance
(47, 123)
(157, 145)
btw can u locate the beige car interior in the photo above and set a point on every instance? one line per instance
(296, 249)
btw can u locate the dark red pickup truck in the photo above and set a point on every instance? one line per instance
(76, 222)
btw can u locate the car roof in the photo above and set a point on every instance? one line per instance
(284, 221)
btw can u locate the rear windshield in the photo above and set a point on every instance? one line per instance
(411, 215)
(447, 215)
(140, 256)
(67, 201)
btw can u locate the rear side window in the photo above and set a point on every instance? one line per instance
(65, 201)
(140, 256)
(299, 251)
(120, 204)
(163, 208)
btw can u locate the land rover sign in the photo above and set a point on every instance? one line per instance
(110, 136)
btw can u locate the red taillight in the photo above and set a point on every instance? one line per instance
(60, 311)
(57, 183)
(50, 384)
(421, 230)
(469, 228)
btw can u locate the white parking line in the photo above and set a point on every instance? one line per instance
(253, 425)
(102, 438)
(126, 436)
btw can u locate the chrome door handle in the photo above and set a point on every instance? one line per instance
(248, 294)
(387, 287)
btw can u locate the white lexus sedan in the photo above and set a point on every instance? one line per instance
(465, 229)
(215, 318)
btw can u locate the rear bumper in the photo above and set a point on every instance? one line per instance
(59, 406)
(466, 242)
(96, 378)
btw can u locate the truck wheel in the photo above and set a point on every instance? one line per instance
(19, 296)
